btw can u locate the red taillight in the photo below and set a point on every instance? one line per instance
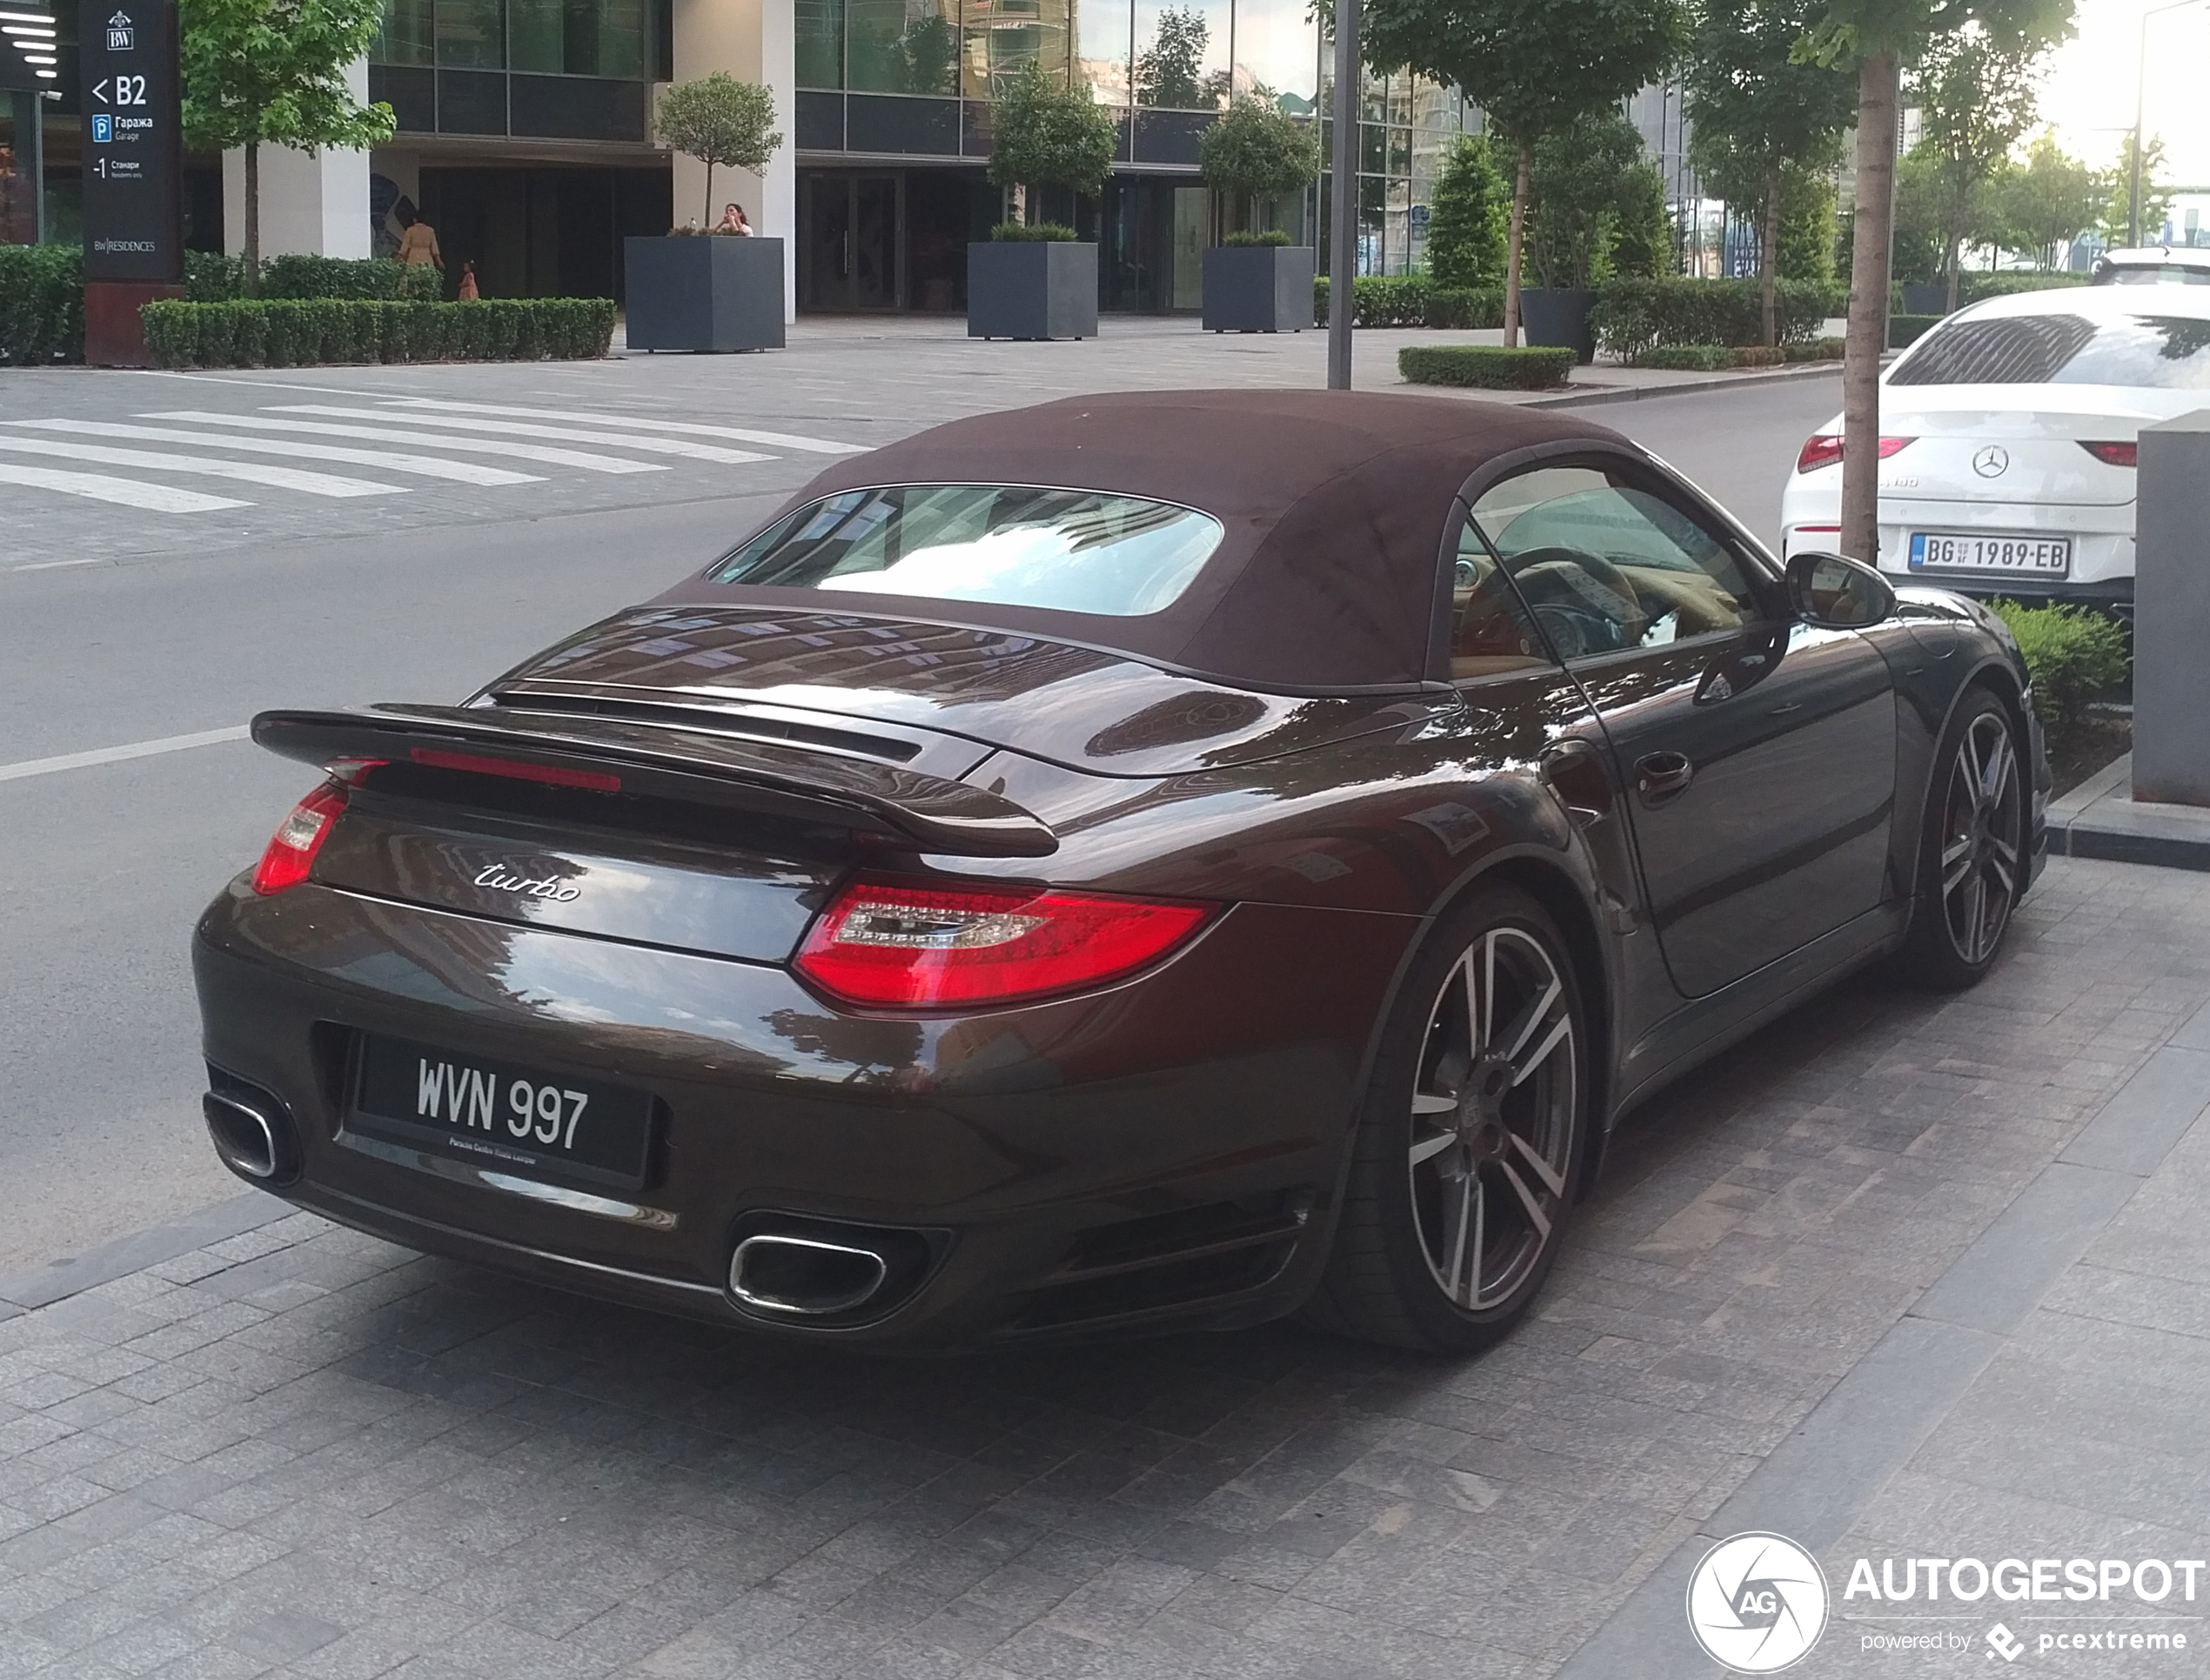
(1820, 449)
(2114, 454)
(897, 944)
(291, 851)
(551, 776)
(1824, 448)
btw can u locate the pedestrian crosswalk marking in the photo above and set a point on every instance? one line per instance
(426, 466)
(559, 433)
(740, 434)
(282, 478)
(126, 492)
(536, 452)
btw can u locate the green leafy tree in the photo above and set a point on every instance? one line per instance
(2049, 201)
(2118, 224)
(1807, 247)
(720, 120)
(1171, 71)
(1469, 217)
(1587, 184)
(1978, 97)
(1761, 117)
(1045, 133)
(273, 72)
(1534, 66)
(1643, 245)
(1255, 150)
(1876, 37)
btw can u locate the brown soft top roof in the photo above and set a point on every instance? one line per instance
(1334, 505)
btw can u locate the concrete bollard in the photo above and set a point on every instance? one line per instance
(2172, 614)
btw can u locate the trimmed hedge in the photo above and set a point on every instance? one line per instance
(1487, 367)
(301, 332)
(42, 305)
(1906, 330)
(1633, 317)
(1706, 358)
(1413, 300)
(2071, 655)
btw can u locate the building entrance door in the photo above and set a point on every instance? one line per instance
(852, 253)
(1192, 216)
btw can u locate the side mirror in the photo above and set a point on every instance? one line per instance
(1836, 592)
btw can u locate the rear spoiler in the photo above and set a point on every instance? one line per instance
(695, 767)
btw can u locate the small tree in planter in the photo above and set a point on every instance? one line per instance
(718, 119)
(1257, 282)
(710, 294)
(1036, 280)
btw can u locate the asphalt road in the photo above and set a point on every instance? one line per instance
(123, 626)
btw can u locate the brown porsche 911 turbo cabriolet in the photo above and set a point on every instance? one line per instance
(1163, 860)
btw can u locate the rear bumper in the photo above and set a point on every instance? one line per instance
(1164, 1153)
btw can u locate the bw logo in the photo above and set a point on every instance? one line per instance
(1757, 1603)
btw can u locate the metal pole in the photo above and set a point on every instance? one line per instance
(1343, 199)
(2140, 80)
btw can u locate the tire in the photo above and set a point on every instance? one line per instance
(1972, 850)
(1463, 1166)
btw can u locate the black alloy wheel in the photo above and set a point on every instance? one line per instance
(1972, 866)
(1466, 1156)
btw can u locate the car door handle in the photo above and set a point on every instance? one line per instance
(1661, 777)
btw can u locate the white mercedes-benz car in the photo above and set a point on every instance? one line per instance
(2007, 439)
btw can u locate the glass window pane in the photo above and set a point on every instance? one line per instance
(1071, 551)
(1490, 632)
(1278, 54)
(1182, 54)
(533, 34)
(472, 34)
(404, 37)
(1606, 566)
(902, 46)
(1003, 37)
(1103, 34)
(818, 43)
(576, 38)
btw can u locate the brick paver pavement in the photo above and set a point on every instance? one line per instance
(303, 1452)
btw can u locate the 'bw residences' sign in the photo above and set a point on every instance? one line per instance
(133, 220)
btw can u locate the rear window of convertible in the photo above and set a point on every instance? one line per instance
(1074, 551)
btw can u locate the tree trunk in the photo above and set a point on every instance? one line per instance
(252, 219)
(1516, 248)
(1769, 262)
(711, 219)
(1868, 307)
(1955, 264)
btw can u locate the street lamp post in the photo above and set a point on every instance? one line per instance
(2140, 81)
(1342, 197)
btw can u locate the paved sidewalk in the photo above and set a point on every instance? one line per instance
(1903, 1275)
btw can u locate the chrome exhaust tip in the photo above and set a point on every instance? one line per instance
(804, 1277)
(252, 1138)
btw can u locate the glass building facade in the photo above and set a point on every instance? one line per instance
(561, 70)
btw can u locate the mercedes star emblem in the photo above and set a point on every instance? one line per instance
(1992, 462)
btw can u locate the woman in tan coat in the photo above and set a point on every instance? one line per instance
(418, 239)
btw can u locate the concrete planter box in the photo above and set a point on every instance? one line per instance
(1930, 298)
(1559, 315)
(1258, 288)
(704, 291)
(1031, 288)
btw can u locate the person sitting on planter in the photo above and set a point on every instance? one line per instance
(733, 221)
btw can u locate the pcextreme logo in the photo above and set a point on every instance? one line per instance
(1757, 1603)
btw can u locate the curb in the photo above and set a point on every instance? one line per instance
(64, 1278)
(2098, 819)
(1731, 382)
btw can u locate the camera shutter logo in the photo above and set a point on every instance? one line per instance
(1757, 1603)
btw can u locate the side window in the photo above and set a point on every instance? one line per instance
(1606, 566)
(1490, 632)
